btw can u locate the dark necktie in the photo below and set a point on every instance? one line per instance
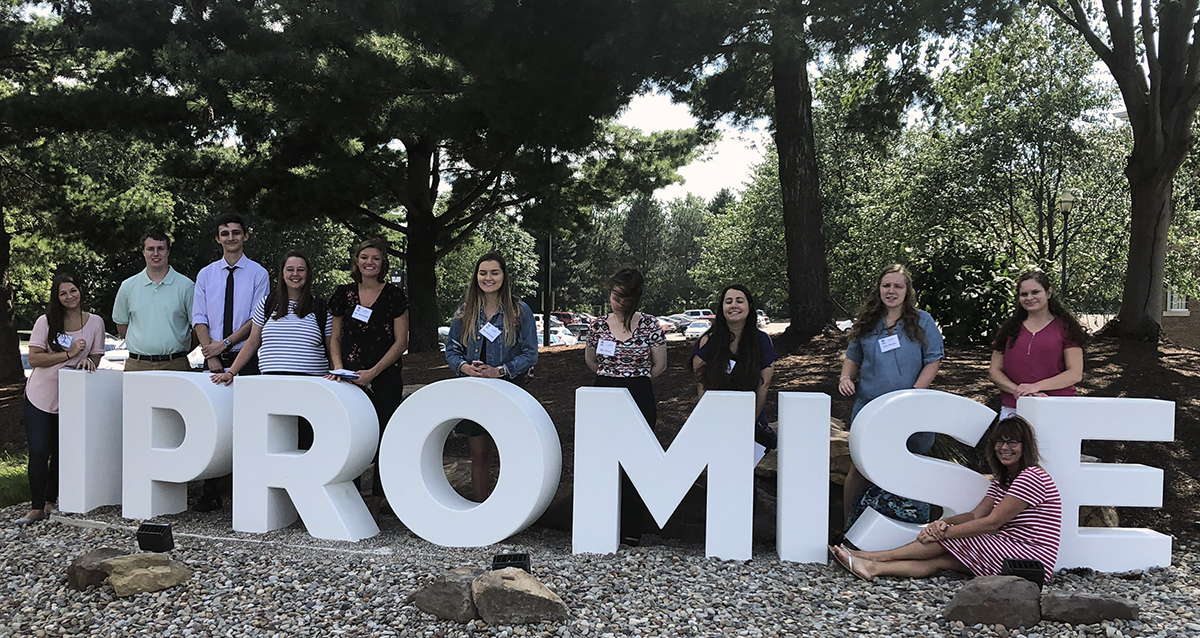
(227, 327)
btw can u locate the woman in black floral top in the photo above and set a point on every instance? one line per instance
(370, 332)
(626, 349)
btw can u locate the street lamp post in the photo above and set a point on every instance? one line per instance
(1066, 202)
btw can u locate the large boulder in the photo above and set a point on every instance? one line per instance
(449, 596)
(1079, 608)
(138, 573)
(511, 596)
(1005, 600)
(85, 571)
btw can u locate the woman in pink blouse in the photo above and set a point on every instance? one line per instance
(626, 349)
(64, 337)
(1039, 350)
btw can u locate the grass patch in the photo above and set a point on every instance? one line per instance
(14, 480)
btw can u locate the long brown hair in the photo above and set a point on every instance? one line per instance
(631, 285)
(872, 308)
(55, 310)
(1014, 428)
(1011, 328)
(305, 304)
(473, 302)
(746, 375)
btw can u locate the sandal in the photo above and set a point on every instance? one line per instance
(848, 562)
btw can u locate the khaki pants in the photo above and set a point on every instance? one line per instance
(134, 365)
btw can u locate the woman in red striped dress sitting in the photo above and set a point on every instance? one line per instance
(1020, 517)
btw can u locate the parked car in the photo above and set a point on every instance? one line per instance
(763, 319)
(700, 313)
(681, 322)
(667, 325)
(115, 354)
(559, 336)
(697, 328)
(25, 360)
(566, 318)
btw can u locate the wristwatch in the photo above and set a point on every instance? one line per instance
(227, 343)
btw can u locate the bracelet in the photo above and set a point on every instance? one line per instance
(844, 378)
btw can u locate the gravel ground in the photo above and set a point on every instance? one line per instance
(287, 583)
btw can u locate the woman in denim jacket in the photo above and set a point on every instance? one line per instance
(501, 343)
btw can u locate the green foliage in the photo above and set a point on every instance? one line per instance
(745, 245)
(967, 287)
(14, 479)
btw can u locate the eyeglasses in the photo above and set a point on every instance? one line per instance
(1009, 443)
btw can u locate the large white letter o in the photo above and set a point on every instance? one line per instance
(410, 460)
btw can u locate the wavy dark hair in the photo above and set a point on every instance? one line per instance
(55, 310)
(1011, 328)
(1013, 428)
(473, 301)
(746, 374)
(631, 284)
(385, 266)
(872, 308)
(305, 303)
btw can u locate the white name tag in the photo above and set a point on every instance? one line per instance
(887, 344)
(607, 348)
(729, 370)
(362, 314)
(489, 332)
(64, 340)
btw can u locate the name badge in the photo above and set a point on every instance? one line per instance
(489, 332)
(362, 314)
(64, 340)
(887, 344)
(607, 348)
(729, 370)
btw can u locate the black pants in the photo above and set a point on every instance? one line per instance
(41, 430)
(386, 393)
(635, 516)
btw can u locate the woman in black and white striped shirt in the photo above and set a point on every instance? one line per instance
(284, 330)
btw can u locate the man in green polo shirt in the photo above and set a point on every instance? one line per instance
(153, 311)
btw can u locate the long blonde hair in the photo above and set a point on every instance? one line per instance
(468, 312)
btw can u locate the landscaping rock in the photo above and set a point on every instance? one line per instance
(138, 573)
(1007, 600)
(511, 596)
(85, 570)
(449, 596)
(1086, 609)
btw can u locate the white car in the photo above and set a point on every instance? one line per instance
(697, 328)
(763, 320)
(559, 336)
(115, 354)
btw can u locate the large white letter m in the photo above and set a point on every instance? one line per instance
(610, 434)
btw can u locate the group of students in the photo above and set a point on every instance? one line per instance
(243, 325)
(1038, 351)
(363, 330)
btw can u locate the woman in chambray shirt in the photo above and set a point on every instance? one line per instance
(492, 336)
(893, 346)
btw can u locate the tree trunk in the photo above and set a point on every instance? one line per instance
(421, 256)
(1151, 213)
(807, 270)
(11, 369)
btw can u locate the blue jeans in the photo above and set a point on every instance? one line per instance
(41, 430)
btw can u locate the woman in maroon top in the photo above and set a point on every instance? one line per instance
(1039, 350)
(370, 332)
